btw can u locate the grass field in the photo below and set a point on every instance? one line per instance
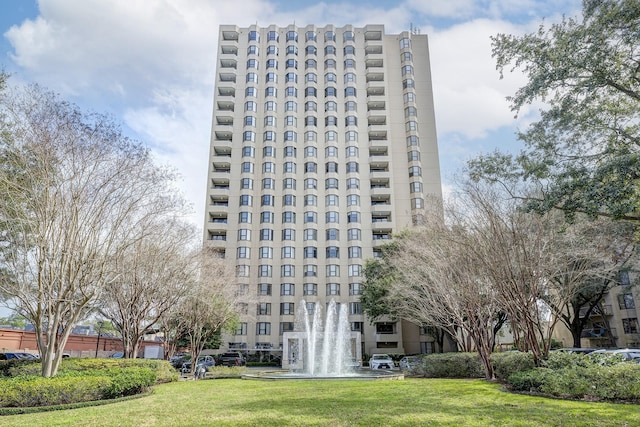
(412, 402)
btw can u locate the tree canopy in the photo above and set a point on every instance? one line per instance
(583, 151)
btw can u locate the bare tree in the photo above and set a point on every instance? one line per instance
(76, 194)
(154, 274)
(211, 305)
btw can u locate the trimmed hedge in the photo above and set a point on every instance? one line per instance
(576, 376)
(508, 363)
(81, 380)
(452, 365)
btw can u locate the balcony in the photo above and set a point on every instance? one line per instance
(220, 185)
(375, 118)
(227, 77)
(228, 63)
(372, 35)
(229, 90)
(373, 49)
(377, 133)
(226, 104)
(230, 35)
(374, 62)
(376, 103)
(381, 213)
(229, 49)
(598, 333)
(605, 310)
(374, 76)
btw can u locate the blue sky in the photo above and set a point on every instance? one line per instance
(151, 64)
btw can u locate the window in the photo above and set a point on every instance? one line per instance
(268, 184)
(410, 112)
(270, 91)
(625, 301)
(351, 121)
(244, 234)
(243, 252)
(329, 64)
(407, 70)
(287, 289)
(251, 91)
(311, 121)
(249, 121)
(269, 136)
(288, 252)
(291, 63)
(630, 325)
(289, 200)
(289, 167)
(288, 234)
(246, 167)
(290, 106)
(409, 97)
(405, 43)
(355, 288)
(329, 50)
(331, 151)
(351, 135)
(330, 136)
(288, 217)
(333, 289)
(253, 50)
(291, 91)
(310, 167)
(310, 234)
(412, 141)
(415, 171)
(350, 78)
(264, 289)
(310, 36)
(310, 64)
(310, 183)
(330, 167)
(348, 36)
(287, 308)
(417, 203)
(332, 252)
(292, 36)
(291, 78)
(331, 183)
(330, 78)
(249, 136)
(292, 50)
(352, 167)
(252, 63)
(415, 187)
(310, 151)
(246, 183)
(269, 151)
(333, 270)
(271, 78)
(329, 36)
(349, 91)
(266, 234)
(254, 36)
(265, 252)
(355, 270)
(266, 217)
(310, 289)
(286, 327)
(353, 217)
(331, 200)
(264, 270)
(311, 77)
(349, 50)
(332, 217)
(350, 106)
(289, 184)
(248, 151)
(310, 252)
(250, 106)
(310, 106)
(245, 217)
(311, 50)
(310, 92)
(310, 270)
(287, 270)
(333, 234)
(270, 106)
(349, 63)
(263, 328)
(272, 49)
(353, 200)
(413, 155)
(310, 136)
(355, 308)
(246, 200)
(310, 200)
(310, 217)
(623, 278)
(241, 329)
(331, 91)
(330, 106)
(242, 270)
(272, 36)
(272, 63)
(331, 121)
(353, 183)
(354, 234)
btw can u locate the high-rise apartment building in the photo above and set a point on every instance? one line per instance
(323, 144)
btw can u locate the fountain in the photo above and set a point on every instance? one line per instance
(317, 350)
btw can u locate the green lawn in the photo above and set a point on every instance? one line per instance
(412, 402)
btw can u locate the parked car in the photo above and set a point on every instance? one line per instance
(177, 360)
(117, 355)
(381, 361)
(409, 362)
(206, 361)
(625, 353)
(12, 355)
(232, 359)
(575, 350)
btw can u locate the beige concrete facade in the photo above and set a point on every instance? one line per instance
(323, 144)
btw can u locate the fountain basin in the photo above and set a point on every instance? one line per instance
(359, 375)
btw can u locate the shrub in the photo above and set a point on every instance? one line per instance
(129, 381)
(452, 365)
(506, 364)
(528, 381)
(40, 391)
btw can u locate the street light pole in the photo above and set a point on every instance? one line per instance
(100, 323)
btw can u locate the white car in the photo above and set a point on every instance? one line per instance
(381, 361)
